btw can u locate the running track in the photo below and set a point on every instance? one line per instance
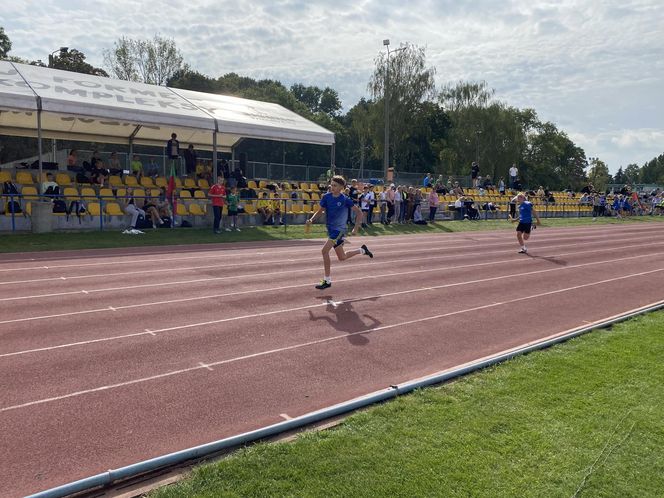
(110, 357)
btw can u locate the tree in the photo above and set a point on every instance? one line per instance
(410, 83)
(154, 61)
(5, 44)
(598, 174)
(633, 173)
(74, 60)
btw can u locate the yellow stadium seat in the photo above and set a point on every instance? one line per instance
(161, 181)
(139, 193)
(305, 196)
(113, 209)
(147, 182)
(5, 176)
(24, 178)
(115, 181)
(181, 209)
(178, 182)
(93, 208)
(185, 194)
(252, 184)
(203, 183)
(196, 210)
(106, 193)
(199, 194)
(189, 183)
(30, 193)
(63, 179)
(250, 208)
(70, 193)
(296, 208)
(121, 192)
(130, 181)
(88, 193)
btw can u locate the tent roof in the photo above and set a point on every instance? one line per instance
(93, 108)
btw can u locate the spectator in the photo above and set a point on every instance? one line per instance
(163, 205)
(72, 160)
(276, 207)
(410, 204)
(94, 159)
(217, 193)
(150, 208)
(190, 160)
(427, 180)
(131, 209)
(398, 204)
(501, 186)
(136, 167)
(382, 206)
(365, 206)
(514, 173)
(233, 200)
(114, 166)
(433, 204)
(152, 169)
(173, 151)
(540, 193)
(474, 172)
(99, 174)
(50, 188)
(457, 190)
(389, 198)
(353, 193)
(264, 208)
(488, 184)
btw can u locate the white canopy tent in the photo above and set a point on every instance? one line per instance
(49, 103)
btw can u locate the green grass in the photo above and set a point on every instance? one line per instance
(586, 415)
(20, 242)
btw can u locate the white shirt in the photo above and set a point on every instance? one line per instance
(513, 171)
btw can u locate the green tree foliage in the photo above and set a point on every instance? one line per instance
(598, 174)
(74, 60)
(148, 61)
(5, 44)
(653, 170)
(406, 82)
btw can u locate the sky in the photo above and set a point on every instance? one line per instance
(594, 68)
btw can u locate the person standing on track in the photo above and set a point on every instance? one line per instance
(526, 213)
(335, 205)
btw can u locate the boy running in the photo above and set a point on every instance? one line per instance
(335, 205)
(526, 213)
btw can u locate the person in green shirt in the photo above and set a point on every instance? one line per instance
(136, 167)
(233, 200)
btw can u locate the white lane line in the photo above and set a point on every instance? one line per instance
(496, 241)
(311, 306)
(205, 366)
(453, 237)
(420, 247)
(285, 287)
(285, 416)
(289, 272)
(150, 332)
(313, 343)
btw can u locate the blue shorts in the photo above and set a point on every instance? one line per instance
(336, 235)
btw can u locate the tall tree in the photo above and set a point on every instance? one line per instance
(153, 61)
(406, 82)
(74, 60)
(5, 44)
(598, 174)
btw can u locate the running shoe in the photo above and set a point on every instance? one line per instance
(324, 284)
(367, 252)
(523, 251)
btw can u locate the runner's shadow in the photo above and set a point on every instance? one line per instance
(346, 319)
(550, 259)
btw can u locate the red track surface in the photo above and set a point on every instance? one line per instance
(110, 357)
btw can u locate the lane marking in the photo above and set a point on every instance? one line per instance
(288, 272)
(311, 306)
(307, 344)
(587, 241)
(207, 367)
(272, 289)
(285, 416)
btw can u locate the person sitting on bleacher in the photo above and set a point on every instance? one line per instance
(72, 160)
(136, 167)
(114, 166)
(99, 174)
(130, 208)
(50, 187)
(150, 208)
(264, 208)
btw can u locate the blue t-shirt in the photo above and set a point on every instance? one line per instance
(526, 212)
(336, 210)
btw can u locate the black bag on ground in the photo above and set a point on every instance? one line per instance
(167, 222)
(142, 222)
(185, 224)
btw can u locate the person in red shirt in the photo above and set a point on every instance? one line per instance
(217, 193)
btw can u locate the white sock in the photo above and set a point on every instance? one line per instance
(524, 247)
(328, 280)
(362, 251)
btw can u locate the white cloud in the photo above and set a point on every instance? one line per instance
(596, 69)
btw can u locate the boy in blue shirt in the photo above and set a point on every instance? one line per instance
(335, 205)
(526, 213)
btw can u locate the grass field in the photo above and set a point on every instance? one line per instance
(20, 242)
(585, 418)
